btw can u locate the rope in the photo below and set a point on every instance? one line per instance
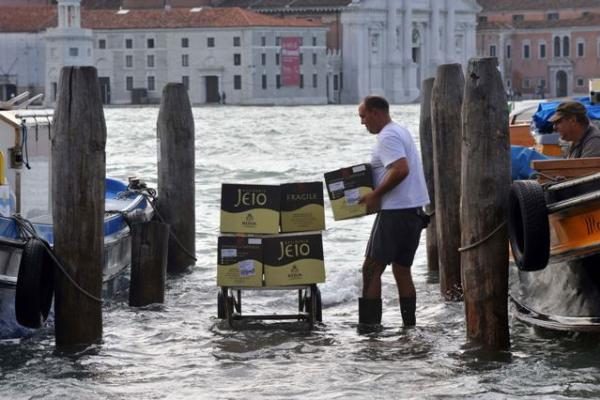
(28, 231)
(485, 239)
(549, 177)
(150, 196)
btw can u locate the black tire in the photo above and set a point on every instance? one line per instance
(528, 227)
(35, 285)
(221, 312)
(319, 310)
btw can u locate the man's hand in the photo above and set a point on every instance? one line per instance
(372, 200)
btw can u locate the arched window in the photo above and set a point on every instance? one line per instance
(566, 46)
(556, 46)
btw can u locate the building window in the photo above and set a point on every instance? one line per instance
(553, 16)
(150, 60)
(542, 50)
(526, 83)
(278, 41)
(236, 41)
(237, 82)
(237, 59)
(301, 59)
(210, 42)
(150, 43)
(301, 81)
(482, 18)
(314, 40)
(129, 43)
(518, 17)
(493, 50)
(185, 60)
(263, 41)
(556, 46)
(263, 59)
(129, 82)
(276, 58)
(185, 42)
(580, 48)
(277, 81)
(73, 51)
(102, 43)
(526, 51)
(566, 49)
(508, 51)
(314, 58)
(151, 83)
(598, 48)
(580, 82)
(128, 61)
(336, 82)
(315, 80)
(264, 81)
(186, 82)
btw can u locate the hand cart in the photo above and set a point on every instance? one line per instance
(229, 304)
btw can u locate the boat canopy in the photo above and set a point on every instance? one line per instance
(547, 110)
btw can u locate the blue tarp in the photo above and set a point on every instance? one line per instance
(546, 110)
(521, 158)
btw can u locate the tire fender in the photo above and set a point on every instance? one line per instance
(528, 227)
(35, 285)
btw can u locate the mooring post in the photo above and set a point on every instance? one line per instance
(176, 198)
(426, 141)
(446, 103)
(78, 181)
(149, 246)
(484, 200)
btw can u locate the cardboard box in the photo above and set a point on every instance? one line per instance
(240, 261)
(293, 259)
(345, 186)
(302, 207)
(250, 208)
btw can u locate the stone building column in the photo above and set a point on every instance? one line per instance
(450, 32)
(434, 49)
(410, 69)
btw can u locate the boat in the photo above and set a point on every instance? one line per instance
(26, 227)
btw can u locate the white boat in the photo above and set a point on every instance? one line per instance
(26, 234)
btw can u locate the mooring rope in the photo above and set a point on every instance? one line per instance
(485, 239)
(26, 227)
(150, 196)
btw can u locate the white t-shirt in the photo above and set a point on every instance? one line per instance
(393, 143)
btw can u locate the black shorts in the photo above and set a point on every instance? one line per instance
(395, 236)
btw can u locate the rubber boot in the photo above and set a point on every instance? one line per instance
(407, 309)
(369, 314)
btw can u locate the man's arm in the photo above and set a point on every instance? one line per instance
(396, 172)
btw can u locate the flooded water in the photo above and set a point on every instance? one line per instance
(180, 350)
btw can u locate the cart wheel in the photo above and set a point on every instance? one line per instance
(221, 312)
(319, 311)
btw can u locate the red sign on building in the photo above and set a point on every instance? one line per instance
(290, 61)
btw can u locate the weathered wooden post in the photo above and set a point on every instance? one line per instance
(78, 181)
(149, 245)
(484, 199)
(426, 140)
(446, 103)
(176, 172)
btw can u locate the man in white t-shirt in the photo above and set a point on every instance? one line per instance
(400, 194)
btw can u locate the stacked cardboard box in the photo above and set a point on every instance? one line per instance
(274, 235)
(345, 187)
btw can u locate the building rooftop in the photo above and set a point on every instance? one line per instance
(534, 5)
(35, 19)
(589, 20)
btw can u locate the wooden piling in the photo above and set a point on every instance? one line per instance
(446, 103)
(484, 199)
(426, 141)
(78, 182)
(176, 173)
(149, 245)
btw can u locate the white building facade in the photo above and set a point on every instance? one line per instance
(390, 46)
